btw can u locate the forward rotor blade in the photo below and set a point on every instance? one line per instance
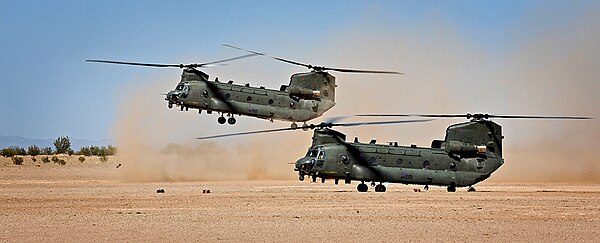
(315, 68)
(411, 115)
(136, 63)
(353, 124)
(192, 65)
(541, 117)
(313, 126)
(250, 132)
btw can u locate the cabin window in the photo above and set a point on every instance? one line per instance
(399, 162)
(372, 161)
(205, 93)
(345, 159)
(249, 98)
(453, 166)
(292, 105)
(426, 164)
(271, 101)
(227, 96)
(312, 153)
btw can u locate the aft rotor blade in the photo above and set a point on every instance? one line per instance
(476, 116)
(315, 68)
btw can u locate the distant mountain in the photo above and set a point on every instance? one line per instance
(76, 144)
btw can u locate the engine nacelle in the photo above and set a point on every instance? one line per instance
(303, 92)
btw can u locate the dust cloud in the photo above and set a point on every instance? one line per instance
(553, 70)
(157, 144)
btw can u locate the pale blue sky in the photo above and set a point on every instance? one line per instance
(48, 90)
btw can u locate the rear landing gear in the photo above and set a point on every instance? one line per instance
(221, 120)
(426, 188)
(380, 188)
(362, 187)
(231, 120)
(301, 177)
(294, 125)
(471, 189)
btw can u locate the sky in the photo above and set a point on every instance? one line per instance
(49, 91)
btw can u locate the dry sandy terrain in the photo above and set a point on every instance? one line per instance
(87, 202)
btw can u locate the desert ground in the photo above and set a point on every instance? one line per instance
(81, 202)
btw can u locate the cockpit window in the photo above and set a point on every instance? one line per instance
(321, 155)
(312, 153)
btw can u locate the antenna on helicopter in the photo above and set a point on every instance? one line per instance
(312, 67)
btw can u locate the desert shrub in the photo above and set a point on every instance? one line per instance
(33, 158)
(55, 159)
(45, 159)
(47, 151)
(8, 152)
(17, 160)
(62, 144)
(81, 159)
(84, 151)
(62, 162)
(34, 150)
(103, 158)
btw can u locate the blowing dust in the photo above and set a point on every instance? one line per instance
(157, 144)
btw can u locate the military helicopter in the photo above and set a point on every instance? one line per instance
(469, 154)
(307, 96)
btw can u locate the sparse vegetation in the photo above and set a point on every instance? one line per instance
(12, 151)
(55, 159)
(17, 160)
(62, 162)
(34, 150)
(45, 159)
(63, 145)
(81, 159)
(103, 158)
(47, 151)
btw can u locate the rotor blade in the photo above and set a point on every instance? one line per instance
(313, 126)
(226, 60)
(137, 63)
(353, 124)
(476, 115)
(541, 117)
(411, 115)
(343, 70)
(315, 68)
(250, 132)
(264, 54)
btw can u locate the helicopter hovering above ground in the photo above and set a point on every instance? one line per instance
(307, 96)
(470, 152)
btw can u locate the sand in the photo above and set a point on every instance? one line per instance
(87, 202)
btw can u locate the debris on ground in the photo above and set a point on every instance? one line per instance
(119, 165)
(206, 191)
(160, 190)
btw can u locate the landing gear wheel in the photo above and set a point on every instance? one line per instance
(221, 120)
(362, 187)
(451, 188)
(181, 108)
(294, 125)
(322, 180)
(304, 127)
(471, 189)
(170, 105)
(231, 120)
(426, 188)
(314, 178)
(380, 188)
(301, 177)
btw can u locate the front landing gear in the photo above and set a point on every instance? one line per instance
(362, 187)
(231, 120)
(294, 125)
(380, 188)
(471, 189)
(221, 120)
(452, 187)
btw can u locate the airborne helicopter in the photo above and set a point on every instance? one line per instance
(470, 153)
(307, 96)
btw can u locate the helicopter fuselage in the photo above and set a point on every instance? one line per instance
(295, 103)
(448, 163)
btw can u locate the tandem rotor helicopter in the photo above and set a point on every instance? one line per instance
(307, 96)
(470, 152)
